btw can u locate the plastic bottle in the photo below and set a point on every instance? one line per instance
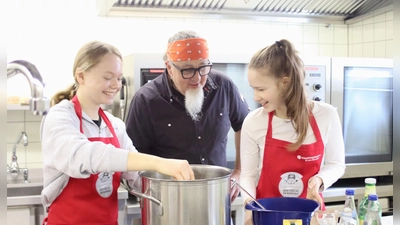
(370, 188)
(349, 215)
(374, 211)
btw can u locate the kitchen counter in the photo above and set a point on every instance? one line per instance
(36, 181)
(35, 199)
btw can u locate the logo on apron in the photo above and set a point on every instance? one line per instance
(104, 185)
(291, 184)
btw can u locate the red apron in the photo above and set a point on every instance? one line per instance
(287, 173)
(88, 201)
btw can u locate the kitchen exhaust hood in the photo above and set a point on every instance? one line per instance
(281, 10)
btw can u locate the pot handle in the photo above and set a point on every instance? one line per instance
(142, 195)
(233, 183)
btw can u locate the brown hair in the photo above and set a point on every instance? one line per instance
(281, 60)
(88, 56)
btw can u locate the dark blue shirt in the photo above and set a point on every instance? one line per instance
(158, 123)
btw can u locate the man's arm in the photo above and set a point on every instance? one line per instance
(236, 171)
(138, 125)
(237, 148)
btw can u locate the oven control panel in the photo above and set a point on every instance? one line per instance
(315, 82)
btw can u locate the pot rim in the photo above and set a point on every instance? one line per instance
(194, 166)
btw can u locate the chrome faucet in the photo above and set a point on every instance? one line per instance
(14, 170)
(39, 104)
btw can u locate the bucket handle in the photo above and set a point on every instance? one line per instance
(234, 182)
(142, 195)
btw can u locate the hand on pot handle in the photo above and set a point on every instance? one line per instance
(179, 169)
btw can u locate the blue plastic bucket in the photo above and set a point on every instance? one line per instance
(283, 211)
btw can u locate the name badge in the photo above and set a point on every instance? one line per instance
(291, 184)
(104, 184)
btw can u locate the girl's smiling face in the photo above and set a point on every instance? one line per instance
(267, 89)
(102, 82)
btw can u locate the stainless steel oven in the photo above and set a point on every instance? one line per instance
(362, 91)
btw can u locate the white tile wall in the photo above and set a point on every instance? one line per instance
(357, 50)
(389, 30)
(368, 33)
(368, 21)
(357, 34)
(368, 50)
(379, 30)
(311, 33)
(75, 22)
(14, 130)
(379, 18)
(372, 37)
(278, 31)
(15, 116)
(297, 39)
(389, 49)
(340, 50)
(18, 121)
(380, 49)
(325, 50)
(340, 35)
(310, 50)
(325, 34)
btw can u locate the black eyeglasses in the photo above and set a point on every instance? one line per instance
(190, 72)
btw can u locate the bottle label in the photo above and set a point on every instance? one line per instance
(348, 221)
(348, 217)
(369, 189)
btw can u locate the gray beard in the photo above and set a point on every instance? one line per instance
(194, 99)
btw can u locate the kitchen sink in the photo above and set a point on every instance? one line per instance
(21, 193)
(24, 191)
(18, 188)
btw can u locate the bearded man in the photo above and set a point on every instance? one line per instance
(187, 112)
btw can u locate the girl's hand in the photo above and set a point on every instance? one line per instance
(313, 189)
(179, 169)
(248, 218)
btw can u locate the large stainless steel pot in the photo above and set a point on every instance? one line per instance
(203, 201)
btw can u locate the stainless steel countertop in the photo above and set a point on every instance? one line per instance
(35, 199)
